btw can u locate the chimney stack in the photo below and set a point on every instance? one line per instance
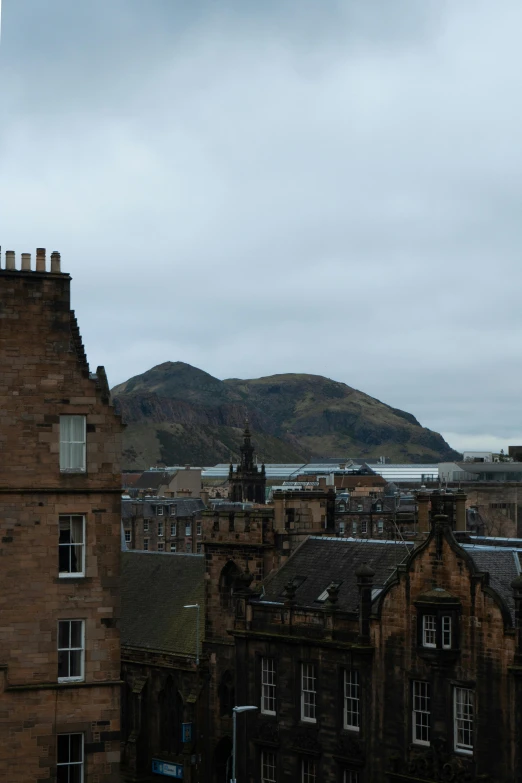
(40, 259)
(55, 262)
(26, 262)
(10, 259)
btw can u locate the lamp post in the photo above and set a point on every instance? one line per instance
(234, 715)
(196, 607)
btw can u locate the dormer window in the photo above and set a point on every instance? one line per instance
(438, 617)
(378, 507)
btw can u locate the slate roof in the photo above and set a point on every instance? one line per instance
(153, 479)
(322, 560)
(154, 588)
(185, 507)
(503, 567)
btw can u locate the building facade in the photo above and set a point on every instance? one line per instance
(60, 522)
(163, 524)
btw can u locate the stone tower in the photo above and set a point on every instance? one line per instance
(247, 481)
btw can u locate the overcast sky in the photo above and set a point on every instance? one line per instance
(267, 186)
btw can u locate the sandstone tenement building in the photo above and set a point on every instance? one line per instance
(60, 523)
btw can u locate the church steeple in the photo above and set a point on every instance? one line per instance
(247, 482)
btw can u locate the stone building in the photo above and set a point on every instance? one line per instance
(376, 661)
(163, 524)
(247, 482)
(182, 482)
(60, 522)
(165, 718)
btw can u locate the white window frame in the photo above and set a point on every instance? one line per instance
(159, 511)
(145, 525)
(359, 507)
(70, 463)
(173, 529)
(341, 528)
(173, 510)
(446, 631)
(145, 544)
(161, 529)
(268, 686)
(378, 506)
(172, 546)
(268, 767)
(308, 771)
(351, 700)
(429, 630)
(354, 528)
(128, 535)
(76, 545)
(70, 763)
(308, 693)
(463, 698)
(380, 525)
(188, 529)
(70, 649)
(421, 712)
(199, 529)
(364, 526)
(161, 546)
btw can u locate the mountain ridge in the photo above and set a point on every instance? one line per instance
(178, 414)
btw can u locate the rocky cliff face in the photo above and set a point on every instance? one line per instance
(177, 414)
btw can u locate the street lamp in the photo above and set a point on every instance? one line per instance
(195, 606)
(235, 711)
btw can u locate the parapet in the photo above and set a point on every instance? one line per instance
(25, 264)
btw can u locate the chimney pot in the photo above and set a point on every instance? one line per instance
(10, 259)
(40, 259)
(26, 262)
(55, 262)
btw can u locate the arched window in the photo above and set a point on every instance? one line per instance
(227, 580)
(226, 693)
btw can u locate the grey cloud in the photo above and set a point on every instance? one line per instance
(280, 186)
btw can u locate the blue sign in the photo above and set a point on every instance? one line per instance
(167, 769)
(186, 732)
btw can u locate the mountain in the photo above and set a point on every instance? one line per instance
(177, 414)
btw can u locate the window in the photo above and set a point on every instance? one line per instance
(463, 709)
(268, 767)
(145, 525)
(446, 632)
(161, 547)
(352, 704)
(359, 507)
(173, 511)
(72, 444)
(350, 776)
(70, 650)
(145, 544)
(380, 525)
(341, 528)
(173, 547)
(69, 758)
(173, 529)
(308, 693)
(308, 771)
(378, 507)
(188, 547)
(198, 528)
(354, 528)
(159, 511)
(160, 529)
(71, 545)
(429, 630)
(364, 526)
(421, 713)
(127, 536)
(268, 686)
(188, 528)
(199, 548)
